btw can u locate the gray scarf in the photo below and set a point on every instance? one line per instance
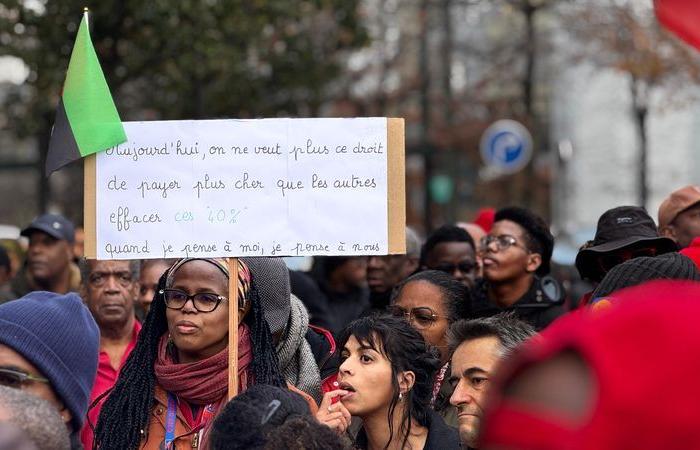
(296, 361)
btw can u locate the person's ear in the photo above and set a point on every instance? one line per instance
(668, 231)
(411, 264)
(406, 381)
(135, 289)
(68, 247)
(243, 312)
(534, 260)
(83, 291)
(65, 414)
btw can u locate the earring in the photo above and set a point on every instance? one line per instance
(400, 396)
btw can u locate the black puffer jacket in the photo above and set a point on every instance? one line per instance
(540, 305)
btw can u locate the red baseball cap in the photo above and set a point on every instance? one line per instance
(643, 354)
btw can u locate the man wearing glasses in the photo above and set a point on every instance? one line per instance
(451, 249)
(515, 257)
(109, 289)
(48, 348)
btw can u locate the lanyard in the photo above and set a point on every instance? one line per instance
(171, 417)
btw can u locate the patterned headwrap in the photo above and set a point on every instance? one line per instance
(222, 265)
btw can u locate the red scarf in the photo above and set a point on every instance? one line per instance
(206, 381)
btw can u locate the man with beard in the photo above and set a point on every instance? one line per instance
(477, 347)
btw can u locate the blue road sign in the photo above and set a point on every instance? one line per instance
(506, 146)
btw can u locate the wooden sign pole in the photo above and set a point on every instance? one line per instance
(232, 327)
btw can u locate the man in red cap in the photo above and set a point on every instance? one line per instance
(679, 215)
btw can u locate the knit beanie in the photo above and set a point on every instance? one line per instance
(271, 278)
(58, 335)
(670, 266)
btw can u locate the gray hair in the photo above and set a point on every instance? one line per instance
(39, 420)
(413, 243)
(85, 269)
(509, 330)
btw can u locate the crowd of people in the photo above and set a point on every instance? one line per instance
(465, 341)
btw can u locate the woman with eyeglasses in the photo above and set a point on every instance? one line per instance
(176, 379)
(386, 379)
(431, 301)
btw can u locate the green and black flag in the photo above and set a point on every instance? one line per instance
(86, 119)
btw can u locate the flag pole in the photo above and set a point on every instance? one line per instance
(232, 327)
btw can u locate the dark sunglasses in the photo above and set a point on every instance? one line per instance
(203, 301)
(608, 261)
(16, 378)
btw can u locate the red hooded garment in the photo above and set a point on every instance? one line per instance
(644, 353)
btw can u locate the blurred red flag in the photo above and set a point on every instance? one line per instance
(682, 17)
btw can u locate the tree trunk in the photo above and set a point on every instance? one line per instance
(530, 57)
(452, 155)
(43, 188)
(424, 73)
(640, 110)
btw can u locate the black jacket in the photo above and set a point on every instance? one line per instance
(540, 305)
(306, 289)
(440, 435)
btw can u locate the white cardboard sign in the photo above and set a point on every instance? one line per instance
(229, 188)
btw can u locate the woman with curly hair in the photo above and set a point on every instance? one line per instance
(386, 379)
(176, 379)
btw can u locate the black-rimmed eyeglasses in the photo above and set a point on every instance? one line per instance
(203, 301)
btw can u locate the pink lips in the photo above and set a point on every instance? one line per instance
(348, 387)
(186, 327)
(489, 261)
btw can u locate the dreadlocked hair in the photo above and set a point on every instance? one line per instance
(125, 415)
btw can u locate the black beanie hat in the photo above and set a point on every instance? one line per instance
(535, 227)
(669, 266)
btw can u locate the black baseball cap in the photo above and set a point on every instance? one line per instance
(55, 225)
(618, 228)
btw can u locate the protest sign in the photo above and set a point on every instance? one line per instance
(267, 187)
(229, 188)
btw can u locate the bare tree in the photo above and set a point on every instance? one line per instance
(625, 36)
